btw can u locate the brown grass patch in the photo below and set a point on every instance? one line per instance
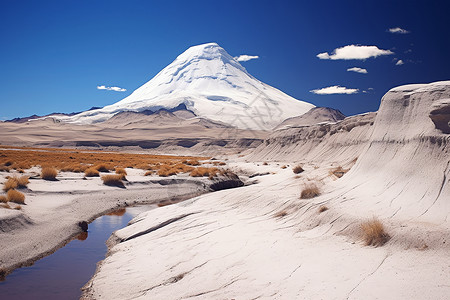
(121, 171)
(91, 172)
(113, 180)
(3, 199)
(339, 171)
(10, 184)
(281, 214)
(15, 196)
(148, 173)
(74, 160)
(297, 170)
(374, 233)
(322, 208)
(310, 191)
(102, 168)
(15, 182)
(49, 173)
(193, 163)
(202, 171)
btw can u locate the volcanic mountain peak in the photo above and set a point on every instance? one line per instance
(213, 85)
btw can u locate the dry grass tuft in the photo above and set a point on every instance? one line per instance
(102, 168)
(281, 214)
(10, 184)
(374, 233)
(3, 199)
(339, 172)
(202, 171)
(193, 162)
(22, 181)
(121, 171)
(310, 191)
(298, 170)
(4, 169)
(283, 167)
(265, 163)
(113, 180)
(322, 208)
(49, 173)
(91, 172)
(148, 173)
(15, 196)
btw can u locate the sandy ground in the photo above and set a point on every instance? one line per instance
(236, 244)
(53, 209)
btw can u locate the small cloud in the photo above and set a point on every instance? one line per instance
(371, 89)
(398, 30)
(335, 89)
(245, 57)
(399, 62)
(357, 70)
(354, 52)
(111, 88)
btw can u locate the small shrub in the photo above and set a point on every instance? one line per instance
(298, 170)
(3, 199)
(4, 169)
(22, 181)
(15, 196)
(18, 207)
(339, 172)
(283, 167)
(49, 173)
(310, 191)
(148, 173)
(91, 172)
(113, 180)
(10, 184)
(281, 214)
(322, 208)
(193, 162)
(265, 163)
(374, 233)
(121, 171)
(102, 168)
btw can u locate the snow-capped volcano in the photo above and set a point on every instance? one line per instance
(211, 84)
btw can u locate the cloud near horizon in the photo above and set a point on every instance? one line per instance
(335, 89)
(357, 70)
(398, 30)
(245, 57)
(354, 52)
(111, 88)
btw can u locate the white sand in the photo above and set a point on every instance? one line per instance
(232, 245)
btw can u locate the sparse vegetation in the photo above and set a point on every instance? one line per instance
(281, 214)
(121, 171)
(15, 182)
(310, 191)
(148, 173)
(113, 180)
(91, 172)
(10, 184)
(283, 167)
(338, 172)
(298, 169)
(202, 171)
(5, 205)
(15, 196)
(49, 173)
(3, 199)
(322, 208)
(374, 233)
(102, 168)
(265, 163)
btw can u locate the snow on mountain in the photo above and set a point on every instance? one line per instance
(211, 84)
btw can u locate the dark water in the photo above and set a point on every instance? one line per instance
(63, 273)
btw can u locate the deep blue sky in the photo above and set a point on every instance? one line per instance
(54, 54)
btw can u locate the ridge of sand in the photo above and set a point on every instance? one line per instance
(263, 242)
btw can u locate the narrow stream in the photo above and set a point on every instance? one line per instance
(62, 274)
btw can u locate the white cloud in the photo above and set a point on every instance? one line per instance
(398, 30)
(335, 89)
(399, 62)
(245, 57)
(357, 70)
(354, 52)
(111, 88)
